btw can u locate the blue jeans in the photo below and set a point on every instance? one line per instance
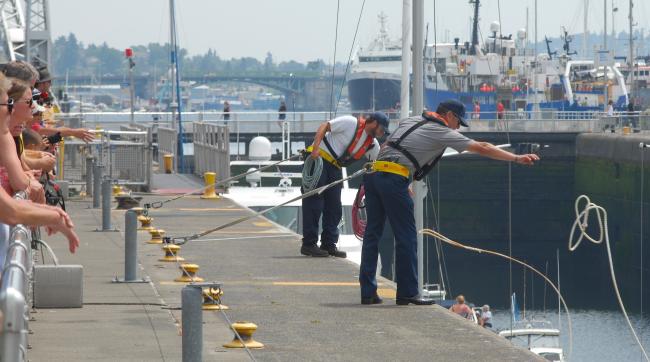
(327, 204)
(387, 196)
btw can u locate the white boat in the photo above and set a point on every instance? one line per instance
(375, 75)
(538, 338)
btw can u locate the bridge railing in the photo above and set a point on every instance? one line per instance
(15, 294)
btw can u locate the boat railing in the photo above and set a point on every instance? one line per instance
(15, 294)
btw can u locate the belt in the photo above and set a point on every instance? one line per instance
(326, 156)
(390, 167)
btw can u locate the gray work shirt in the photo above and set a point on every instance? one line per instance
(425, 143)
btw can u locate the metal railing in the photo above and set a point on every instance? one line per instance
(211, 149)
(15, 294)
(125, 155)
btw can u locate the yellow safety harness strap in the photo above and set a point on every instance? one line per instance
(326, 156)
(390, 167)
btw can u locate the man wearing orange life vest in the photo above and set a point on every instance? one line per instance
(344, 140)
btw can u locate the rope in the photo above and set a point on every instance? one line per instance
(336, 37)
(490, 252)
(359, 216)
(581, 223)
(159, 204)
(311, 172)
(184, 239)
(347, 67)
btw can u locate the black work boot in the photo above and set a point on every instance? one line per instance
(334, 251)
(313, 250)
(375, 299)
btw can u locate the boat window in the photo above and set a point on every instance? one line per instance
(544, 341)
(395, 58)
(551, 356)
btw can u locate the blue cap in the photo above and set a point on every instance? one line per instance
(381, 118)
(454, 106)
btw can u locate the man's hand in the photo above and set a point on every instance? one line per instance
(49, 161)
(84, 135)
(314, 153)
(527, 159)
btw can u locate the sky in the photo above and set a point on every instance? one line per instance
(304, 30)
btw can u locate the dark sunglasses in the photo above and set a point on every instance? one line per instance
(9, 104)
(29, 102)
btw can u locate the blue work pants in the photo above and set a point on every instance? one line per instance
(327, 204)
(387, 196)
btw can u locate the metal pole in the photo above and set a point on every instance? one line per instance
(106, 205)
(130, 246)
(90, 161)
(97, 184)
(405, 101)
(192, 323)
(418, 107)
(132, 93)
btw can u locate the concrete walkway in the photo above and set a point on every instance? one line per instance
(305, 308)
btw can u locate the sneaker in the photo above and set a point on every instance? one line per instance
(375, 299)
(416, 300)
(313, 250)
(334, 251)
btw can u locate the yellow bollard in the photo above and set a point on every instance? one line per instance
(189, 274)
(171, 253)
(245, 331)
(212, 299)
(210, 179)
(145, 222)
(168, 162)
(627, 130)
(156, 236)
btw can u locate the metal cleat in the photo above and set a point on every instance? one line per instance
(245, 330)
(188, 274)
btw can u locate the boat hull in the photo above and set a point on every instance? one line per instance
(378, 92)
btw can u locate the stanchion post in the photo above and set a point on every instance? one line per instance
(130, 250)
(97, 184)
(90, 161)
(192, 323)
(106, 205)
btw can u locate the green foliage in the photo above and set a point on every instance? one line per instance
(75, 58)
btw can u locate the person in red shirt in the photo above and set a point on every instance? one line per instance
(500, 110)
(477, 110)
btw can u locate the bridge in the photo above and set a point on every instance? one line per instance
(304, 90)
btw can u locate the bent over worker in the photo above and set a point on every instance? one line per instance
(344, 140)
(410, 153)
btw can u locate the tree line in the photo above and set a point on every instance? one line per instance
(73, 57)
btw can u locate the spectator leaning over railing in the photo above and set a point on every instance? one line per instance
(21, 93)
(13, 179)
(27, 73)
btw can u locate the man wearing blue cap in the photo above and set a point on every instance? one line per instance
(411, 152)
(344, 140)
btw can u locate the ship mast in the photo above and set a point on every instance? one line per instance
(472, 50)
(175, 84)
(631, 61)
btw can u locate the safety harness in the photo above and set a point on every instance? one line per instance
(420, 171)
(353, 151)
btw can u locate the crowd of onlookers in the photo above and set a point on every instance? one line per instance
(29, 138)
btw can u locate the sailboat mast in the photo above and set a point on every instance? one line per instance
(584, 30)
(175, 85)
(605, 25)
(405, 101)
(631, 61)
(418, 107)
(559, 321)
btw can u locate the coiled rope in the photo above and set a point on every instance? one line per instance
(311, 172)
(490, 252)
(359, 216)
(580, 223)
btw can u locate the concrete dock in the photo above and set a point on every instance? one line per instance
(306, 309)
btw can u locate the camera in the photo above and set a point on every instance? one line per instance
(55, 138)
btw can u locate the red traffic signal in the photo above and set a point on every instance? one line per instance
(128, 52)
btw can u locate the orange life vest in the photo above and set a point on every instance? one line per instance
(353, 151)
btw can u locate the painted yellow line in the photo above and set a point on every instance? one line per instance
(262, 223)
(317, 284)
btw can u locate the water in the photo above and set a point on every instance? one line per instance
(597, 335)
